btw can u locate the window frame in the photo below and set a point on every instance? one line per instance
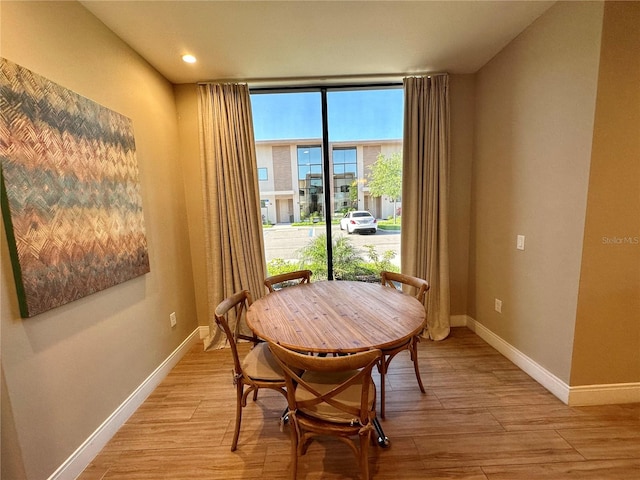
(326, 164)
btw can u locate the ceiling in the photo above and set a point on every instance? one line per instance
(303, 40)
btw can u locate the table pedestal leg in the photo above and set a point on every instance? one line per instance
(284, 418)
(383, 441)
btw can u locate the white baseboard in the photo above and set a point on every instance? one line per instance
(604, 394)
(573, 396)
(530, 367)
(204, 332)
(459, 320)
(83, 456)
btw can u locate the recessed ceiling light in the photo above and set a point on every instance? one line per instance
(188, 58)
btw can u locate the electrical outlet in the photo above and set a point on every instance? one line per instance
(520, 242)
(172, 319)
(498, 306)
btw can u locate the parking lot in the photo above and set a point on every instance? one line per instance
(284, 241)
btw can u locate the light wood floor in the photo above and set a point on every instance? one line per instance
(481, 419)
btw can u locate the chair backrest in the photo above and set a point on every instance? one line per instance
(237, 305)
(287, 279)
(418, 285)
(359, 366)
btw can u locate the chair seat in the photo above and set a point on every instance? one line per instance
(324, 382)
(259, 364)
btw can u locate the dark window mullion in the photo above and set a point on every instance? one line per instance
(328, 214)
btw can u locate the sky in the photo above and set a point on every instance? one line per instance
(352, 115)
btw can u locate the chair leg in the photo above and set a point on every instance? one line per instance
(364, 454)
(236, 433)
(295, 438)
(414, 358)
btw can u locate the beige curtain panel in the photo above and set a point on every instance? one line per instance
(233, 223)
(425, 190)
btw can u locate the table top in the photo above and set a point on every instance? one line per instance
(336, 316)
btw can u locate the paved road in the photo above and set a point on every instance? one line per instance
(283, 241)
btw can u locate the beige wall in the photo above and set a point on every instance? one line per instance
(607, 335)
(65, 371)
(187, 106)
(534, 122)
(462, 98)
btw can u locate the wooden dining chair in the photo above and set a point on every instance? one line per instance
(335, 396)
(276, 282)
(418, 287)
(258, 369)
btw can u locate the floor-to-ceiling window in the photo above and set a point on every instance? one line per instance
(316, 151)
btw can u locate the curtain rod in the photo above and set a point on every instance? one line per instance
(323, 79)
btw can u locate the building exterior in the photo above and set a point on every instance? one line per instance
(291, 178)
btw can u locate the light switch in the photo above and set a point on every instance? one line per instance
(520, 242)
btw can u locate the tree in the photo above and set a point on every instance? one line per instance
(353, 192)
(385, 178)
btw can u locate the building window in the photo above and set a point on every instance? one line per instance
(263, 174)
(310, 180)
(345, 175)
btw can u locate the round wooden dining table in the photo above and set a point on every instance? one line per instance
(336, 317)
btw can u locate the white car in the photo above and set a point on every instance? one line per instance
(359, 221)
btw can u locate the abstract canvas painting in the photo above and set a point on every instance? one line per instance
(71, 200)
